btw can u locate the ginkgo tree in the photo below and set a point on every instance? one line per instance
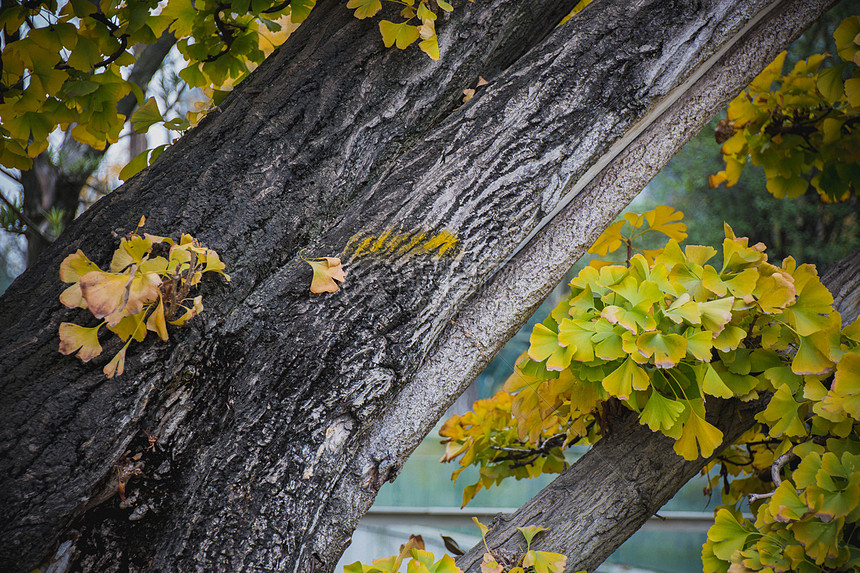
(258, 434)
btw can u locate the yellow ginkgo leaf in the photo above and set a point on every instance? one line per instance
(190, 312)
(117, 365)
(327, 270)
(609, 240)
(142, 290)
(364, 8)
(667, 221)
(156, 322)
(130, 251)
(402, 34)
(698, 430)
(104, 292)
(85, 340)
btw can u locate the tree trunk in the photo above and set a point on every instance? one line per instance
(279, 413)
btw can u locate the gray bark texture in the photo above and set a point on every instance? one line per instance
(279, 413)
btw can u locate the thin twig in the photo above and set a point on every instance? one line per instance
(18, 213)
(775, 470)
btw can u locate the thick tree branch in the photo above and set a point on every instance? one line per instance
(501, 306)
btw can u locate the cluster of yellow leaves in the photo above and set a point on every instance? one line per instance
(531, 560)
(141, 292)
(803, 132)
(661, 334)
(424, 562)
(403, 34)
(421, 561)
(807, 522)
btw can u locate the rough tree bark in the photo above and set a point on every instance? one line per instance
(277, 412)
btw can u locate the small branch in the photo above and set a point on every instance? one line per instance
(277, 8)
(519, 454)
(775, 470)
(18, 213)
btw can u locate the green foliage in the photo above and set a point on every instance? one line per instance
(802, 127)
(62, 63)
(146, 288)
(660, 335)
(529, 561)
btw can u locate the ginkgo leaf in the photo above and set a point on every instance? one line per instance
(716, 314)
(727, 534)
(402, 34)
(75, 266)
(130, 251)
(135, 166)
(661, 413)
(489, 565)
(483, 528)
(190, 313)
(143, 289)
(146, 116)
(327, 270)
(545, 562)
(104, 292)
(763, 81)
(156, 322)
(666, 349)
(430, 46)
(300, 9)
(666, 220)
(542, 343)
(130, 326)
(85, 340)
(729, 338)
(782, 414)
(699, 344)
(529, 533)
(697, 430)
(117, 364)
(813, 355)
(609, 240)
(625, 378)
(684, 309)
(577, 336)
(364, 8)
(72, 269)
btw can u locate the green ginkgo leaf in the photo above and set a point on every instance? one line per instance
(529, 533)
(782, 414)
(625, 378)
(666, 349)
(542, 343)
(728, 535)
(578, 336)
(661, 413)
(146, 116)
